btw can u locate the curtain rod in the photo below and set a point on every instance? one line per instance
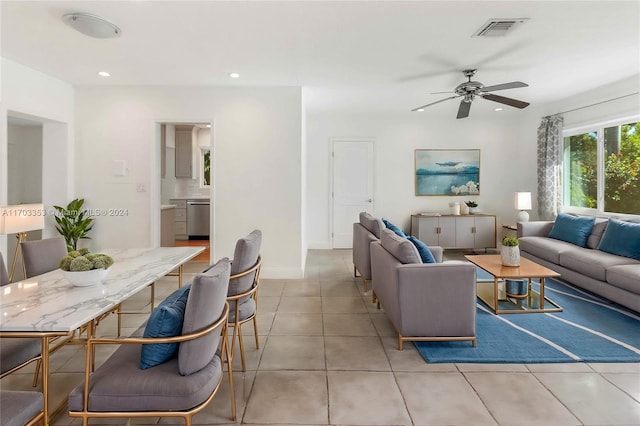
(598, 103)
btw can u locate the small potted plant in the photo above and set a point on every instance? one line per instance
(83, 268)
(73, 222)
(510, 251)
(472, 206)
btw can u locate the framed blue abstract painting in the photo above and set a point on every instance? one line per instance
(447, 171)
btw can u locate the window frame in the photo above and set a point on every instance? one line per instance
(597, 127)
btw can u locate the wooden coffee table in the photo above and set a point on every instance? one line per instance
(491, 293)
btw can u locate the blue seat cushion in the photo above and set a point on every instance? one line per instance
(572, 229)
(394, 228)
(621, 238)
(423, 250)
(165, 321)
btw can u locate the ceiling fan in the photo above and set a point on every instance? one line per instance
(470, 89)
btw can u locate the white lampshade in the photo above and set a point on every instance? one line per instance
(523, 200)
(21, 218)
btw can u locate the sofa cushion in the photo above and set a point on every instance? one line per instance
(592, 263)
(596, 233)
(399, 247)
(621, 238)
(626, 277)
(423, 250)
(373, 225)
(165, 321)
(394, 228)
(205, 304)
(545, 248)
(572, 229)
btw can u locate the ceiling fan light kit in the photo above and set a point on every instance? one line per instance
(91, 25)
(469, 90)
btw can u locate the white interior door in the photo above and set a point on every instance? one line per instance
(352, 186)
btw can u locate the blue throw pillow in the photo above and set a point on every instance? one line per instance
(165, 321)
(572, 229)
(423, 250)
(621, 238)
(394, 228)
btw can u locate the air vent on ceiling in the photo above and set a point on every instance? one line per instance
(499, 27)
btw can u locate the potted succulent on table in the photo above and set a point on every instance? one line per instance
(472, 206)
(510, 251)
(83, 268)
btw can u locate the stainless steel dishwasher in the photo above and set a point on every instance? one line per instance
(198, 219)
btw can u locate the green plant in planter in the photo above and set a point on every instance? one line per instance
(73, 223)
(510, 241)
(471, 203)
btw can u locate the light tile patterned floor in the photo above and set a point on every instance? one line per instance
(328, 356)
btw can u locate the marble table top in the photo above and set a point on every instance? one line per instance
(50, 303)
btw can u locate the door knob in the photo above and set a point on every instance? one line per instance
(370, 200)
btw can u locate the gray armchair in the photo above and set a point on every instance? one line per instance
(365, 232)
(17, 352)
(20, 408)
(434, 301)
(243, 288)
(179, 387)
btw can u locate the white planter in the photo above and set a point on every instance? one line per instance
(472, 210)
(86, 278)
(510, 256)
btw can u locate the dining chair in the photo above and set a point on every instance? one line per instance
(17, 352)
(21, 408)
(42, 256)
(243, 289)
(179, 386)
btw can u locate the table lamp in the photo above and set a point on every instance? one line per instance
(523, 203)
(20, 219)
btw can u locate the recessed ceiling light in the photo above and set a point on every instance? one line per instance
(104, 74)
(234, 75)
(420, 110)
(209, 125)
(498, 109)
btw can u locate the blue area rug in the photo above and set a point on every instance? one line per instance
(589, 329)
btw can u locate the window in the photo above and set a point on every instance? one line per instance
(205, 168)
(602, 168)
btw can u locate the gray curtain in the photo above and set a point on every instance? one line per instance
(550, 167)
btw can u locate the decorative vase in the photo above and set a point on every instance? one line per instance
(510, 255)
(464, 209)
(472, 210)
(454, 208)
(86, 278)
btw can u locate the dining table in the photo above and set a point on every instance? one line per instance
(49, 306)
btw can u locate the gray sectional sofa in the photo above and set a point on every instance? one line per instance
(615, 277)
(365, 231)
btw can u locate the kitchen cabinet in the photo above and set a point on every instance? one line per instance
(455, 231)
(184, 152)
(167, 226)
(180, 219)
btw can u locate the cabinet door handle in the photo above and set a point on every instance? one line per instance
(473, 230)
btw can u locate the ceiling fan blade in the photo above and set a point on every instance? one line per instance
(504, 86)
(433, 103)
(463, 110)
(507, 101)
(439, 93)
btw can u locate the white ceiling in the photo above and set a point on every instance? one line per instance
(355, 56)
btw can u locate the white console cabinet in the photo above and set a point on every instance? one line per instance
(476, 231)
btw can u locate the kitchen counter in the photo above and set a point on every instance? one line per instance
(167, 206)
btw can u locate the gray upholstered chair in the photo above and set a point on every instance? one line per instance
(365, 232)
(42, 256)
(243, 288)
(20, 408)
(179, 387)
(17, 352)
(423, 301)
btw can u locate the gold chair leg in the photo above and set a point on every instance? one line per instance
(364, 284)
(255, 332)
(240, 341)
(37, 373)
(153, 295)
(119, 313)
(400, 342)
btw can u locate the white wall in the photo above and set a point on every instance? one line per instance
(257, 170)
(501, 140)
(30, 94)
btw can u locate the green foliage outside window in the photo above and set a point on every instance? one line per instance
(621, 169)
